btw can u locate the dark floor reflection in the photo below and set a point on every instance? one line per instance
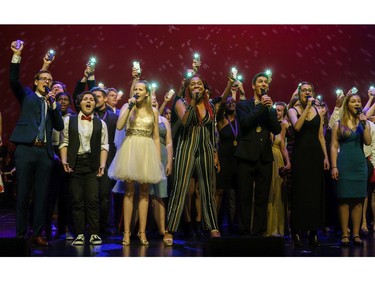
(197, 247)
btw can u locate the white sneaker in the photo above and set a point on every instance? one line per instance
(95, 239)
(80, 240)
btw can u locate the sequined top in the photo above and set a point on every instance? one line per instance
(140, 125)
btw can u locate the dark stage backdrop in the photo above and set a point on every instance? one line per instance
(329, 56)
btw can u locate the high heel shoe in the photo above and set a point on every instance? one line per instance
(215, 233)
(357, 241)
(143, 242)
(364, 230)
(126, 240)
(296, 240)
(345, 241)
(168, 239)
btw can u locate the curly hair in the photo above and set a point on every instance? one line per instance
(80, 98)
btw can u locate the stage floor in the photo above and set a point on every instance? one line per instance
(186, 247)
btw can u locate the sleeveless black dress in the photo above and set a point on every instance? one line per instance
(228, 163)
(307, 194)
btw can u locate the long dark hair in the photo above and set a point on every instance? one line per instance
(205, 96)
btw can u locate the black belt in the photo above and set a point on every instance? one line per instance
(84, 156)
(39, 144)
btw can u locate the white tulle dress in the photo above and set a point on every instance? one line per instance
(137, 158)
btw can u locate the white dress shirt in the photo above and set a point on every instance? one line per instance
(84, 132)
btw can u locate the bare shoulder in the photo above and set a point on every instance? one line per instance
(284, 124)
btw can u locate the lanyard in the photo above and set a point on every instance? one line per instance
(234, 130)
(104, 116)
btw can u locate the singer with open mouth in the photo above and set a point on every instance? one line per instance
(138, 160)
(34, 153)
(349, 166)
(309, 161)
(258, 119)
(195, 153)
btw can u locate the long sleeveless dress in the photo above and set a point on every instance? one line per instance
(307, 194)
(137, 158)
(226, 150)
(352, 166)
(275, 210)
(160, 189)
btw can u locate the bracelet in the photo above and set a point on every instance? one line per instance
(333, 168)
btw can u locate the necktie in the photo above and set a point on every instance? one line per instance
(84, 117)
(42, 120)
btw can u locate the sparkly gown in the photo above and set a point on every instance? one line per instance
(137, 158)
(275, 209)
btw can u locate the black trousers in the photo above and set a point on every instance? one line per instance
(33, 169)
(84, 192)
(58, 192)
(254, 181)
(105, 191)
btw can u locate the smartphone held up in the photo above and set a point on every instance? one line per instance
(137, 66)
(51, 55)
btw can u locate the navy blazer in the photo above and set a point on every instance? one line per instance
(26, 129)
(254, 145)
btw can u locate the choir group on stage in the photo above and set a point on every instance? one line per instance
(242, 160)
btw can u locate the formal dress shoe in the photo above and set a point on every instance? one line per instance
(314, 242)
(313, 239)
(357, 241)
(39, 241)
(296, 240)
(345, 241)
(142, 239)
(215, 233)
(168, 239)
(126, 238)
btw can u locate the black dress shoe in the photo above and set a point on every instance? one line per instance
(296, 240)
(313, 239)
(39, 241)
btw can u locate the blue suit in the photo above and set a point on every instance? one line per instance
(33, 164)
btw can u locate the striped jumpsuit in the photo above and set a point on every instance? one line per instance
(194, 153)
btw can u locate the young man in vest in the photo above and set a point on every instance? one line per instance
(84, 150)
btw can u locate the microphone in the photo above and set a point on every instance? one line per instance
(131, 105)
(263, 92)
(363, 122)
(197, 94)
(307, 98)
(50, 99)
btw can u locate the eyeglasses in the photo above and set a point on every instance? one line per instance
(45, 79)
(306, 90)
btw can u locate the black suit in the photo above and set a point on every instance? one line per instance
(254, 155)
(105, 183)
(32, 162)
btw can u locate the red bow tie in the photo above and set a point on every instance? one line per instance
(84, 117)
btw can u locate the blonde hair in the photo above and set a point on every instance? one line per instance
(147, 103)
(343, 129)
